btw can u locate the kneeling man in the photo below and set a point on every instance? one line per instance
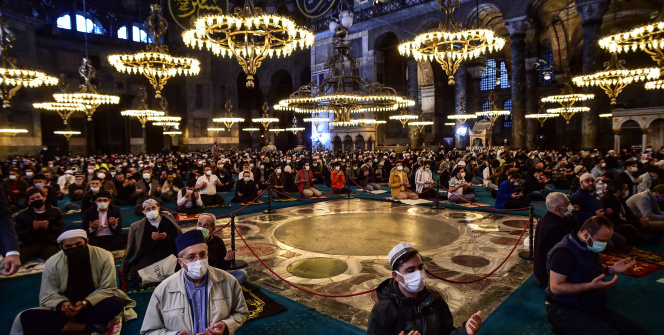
(198, 299)
(79, 292)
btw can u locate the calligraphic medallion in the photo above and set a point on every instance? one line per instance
(185, 12)
(314, 8)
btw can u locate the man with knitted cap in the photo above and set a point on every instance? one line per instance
(210, 298)
(585, 198)
(406, 307)
(79, 292)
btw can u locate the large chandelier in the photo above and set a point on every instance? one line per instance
(64, 109)
(228, 120)
(265, 119)
(165, 121)
(494, 113)
(449, 45)
(567, 99)
(420, 124)
(316, 119)
(12, 132)
(155, 63)
(251, 129)
(343, 92)
(462, 117)
(88, 95)
(294, 129)
(143, 112)
(615, 77)
(541, 117)
(648, 38)
(250, 35)
(12, 78)
(172, 133)
(404, 117)
(67, 133)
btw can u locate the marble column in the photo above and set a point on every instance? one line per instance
(532, 102)
(517, 28)
(473, 101)
(644, 138)
(459, 93)
(413, 93)
(616, 140)
(591, 13)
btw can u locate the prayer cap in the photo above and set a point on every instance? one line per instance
(192, 237)
(398, 251)
(578, 168)
(70, 232)
(150, 201)
(586, 176)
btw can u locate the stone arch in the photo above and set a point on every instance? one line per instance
(389, 65)
(337, 144)
(428, 22)
(359, 142)
(370, 143)
(348, 142)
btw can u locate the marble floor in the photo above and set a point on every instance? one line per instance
(341, 246)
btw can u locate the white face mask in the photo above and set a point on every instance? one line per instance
(337, 168)
(152, 215)
(633, 169)
(102, 205)
(413, 282)
(208, 173)
(101, 175)
(278, 171)
(569, 210)
(400, 168)
(146, 176)
(91, 170)
(196, 270)
(94, 189)
(306, 167)
(247, 179)
(602, 165)
(463, 175)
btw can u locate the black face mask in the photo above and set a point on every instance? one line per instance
(77, 253)
(37, 203)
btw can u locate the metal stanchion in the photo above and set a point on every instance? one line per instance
(235, 264)
(529, 254)
(269, 209)
(437, 206)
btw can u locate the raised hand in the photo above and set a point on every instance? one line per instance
(474, 323)
(623, 265)
(599, 282)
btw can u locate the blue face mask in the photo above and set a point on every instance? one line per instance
(597, 246)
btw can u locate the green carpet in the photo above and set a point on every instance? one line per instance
(523, 311)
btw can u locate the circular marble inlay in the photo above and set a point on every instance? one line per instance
(365, 234)
(504, 240)
(488, 249)
(261, 249)
(226, 232)
(515, 223)
(471, 261)
(317, 268)
(465, 216)
(271, 217)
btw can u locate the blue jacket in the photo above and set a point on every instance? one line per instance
(504, 194)
(588, 204)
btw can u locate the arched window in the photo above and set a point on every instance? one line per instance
(137, 34)
(486, 106)
(83, 24)
(504, 80)
(507, 123)
(489, 76)
(547, 56)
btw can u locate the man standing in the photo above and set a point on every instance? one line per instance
(576, 296)
(305, 182)
(406, 306)
(210, 299)
(551, 228)
(103, 223)
(79, 291)
(38, 227)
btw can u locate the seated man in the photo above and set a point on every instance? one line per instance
(585, 197)
(508, 196)
(226, 180)
(535, 186)
(207, 185)
(169, 190)
(338, 179)
(206, 300)
(289, 180)
(218, 256)
(459, 187)
(103, 223)
(624, 221)
(50, 192)
(88, 200)
(551, 228)
(38, 227)
(319, 171)
(150, 239)
(399, 184)
(576, 296)
(245, 190)
(189, 201)
(146, 188)
(126, 188)
(75, 193)
(304, 179)
(276, 180)
(406, 306)
(645, 205)
(366, 176)
(15, 188)
(424, 181)
(79, 291)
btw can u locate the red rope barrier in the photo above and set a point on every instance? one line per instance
(291, 284)
(492, 271)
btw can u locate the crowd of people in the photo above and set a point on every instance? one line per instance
(596, 203)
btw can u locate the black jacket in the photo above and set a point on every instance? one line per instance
(550, 230)
(615, 204)
(92, 214)
(27, 235)
(8, 238)
(394, 313)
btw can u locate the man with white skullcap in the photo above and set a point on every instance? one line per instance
(406, 307)
(151, 239)
(79, 291)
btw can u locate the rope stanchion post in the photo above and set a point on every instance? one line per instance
(269, 209)
(437, 206)
(235, 264)
(529, 254)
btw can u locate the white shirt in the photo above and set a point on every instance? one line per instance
(187, 202)
(423, 178)
(102, 229)
(211, 187)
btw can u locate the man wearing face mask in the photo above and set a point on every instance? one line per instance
(338, 179)
(79, 291)
(648, 179)
(150, 239)
(304, 179)
(189, 201)
(50, 193)
(629, 176)
(76, 191)
(218, 256)
(207, 185)
(399, 184)
(245, 190)
(625, 223)
(15, 188)
(406, 306)
(146, 188)
(576, 296)
(103, 223)
(551, 228)
(211, 297)
(38, 227)
(645, 205)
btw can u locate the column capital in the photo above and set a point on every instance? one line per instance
(518, 25)
(476, 72)
(592, 10)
